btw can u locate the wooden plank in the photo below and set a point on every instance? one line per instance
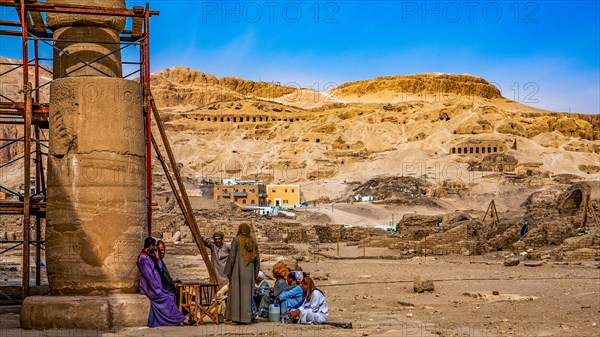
(136, 27)
(28, 21)
(10, 32)
(138, 22)
(26, 195)
(10, 23)
(187, 209)
(163, 163)
(38, 21)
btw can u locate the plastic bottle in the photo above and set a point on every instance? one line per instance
(274, 312)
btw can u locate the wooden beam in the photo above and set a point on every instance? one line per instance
(18, 9)
(38, 22)
(137, 22)
(75, 9)
(10, 23)
(26, 194)
(187, 209)
(163, 163)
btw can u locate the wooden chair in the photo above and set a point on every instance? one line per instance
(200, 300)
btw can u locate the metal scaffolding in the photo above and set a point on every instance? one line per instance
(32, 113)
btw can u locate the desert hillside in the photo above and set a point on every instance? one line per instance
(332, 144)
(441, 129)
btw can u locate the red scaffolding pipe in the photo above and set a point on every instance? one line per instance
(148, 118)
(27, 155)
(31, 106)
(80, 9)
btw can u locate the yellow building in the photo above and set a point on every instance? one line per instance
(283, 195)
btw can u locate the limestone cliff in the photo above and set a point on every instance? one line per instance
(402, 125)
(415, 125)
(465, 85)
(184, 86)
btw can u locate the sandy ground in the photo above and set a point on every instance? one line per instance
(556, 299)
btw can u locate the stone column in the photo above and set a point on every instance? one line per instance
(96, 198)
(102, 32)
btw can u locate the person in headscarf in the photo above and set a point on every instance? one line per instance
(314, 310)
(292, 298)
(242, 270)
(261, 290)
(300, 276)
(163, 310)
(219, 252)
(280, 272)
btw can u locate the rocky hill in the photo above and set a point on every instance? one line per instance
(407, 126)
(420, 84)
(438, 127)
(186, 87)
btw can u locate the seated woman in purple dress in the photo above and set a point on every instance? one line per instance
(163, 310)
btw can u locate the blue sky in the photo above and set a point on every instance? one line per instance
(543, 53)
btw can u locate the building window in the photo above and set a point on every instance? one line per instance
(476, 150)
(495, 149)
(218, 197)
(285, 201)
(244, 190)
(273, 190)
(252, 201)
(244, 201)
(292, 190)
(459, 150)
(483, 150)
(489, 149)
(285, 190)
(453, 150)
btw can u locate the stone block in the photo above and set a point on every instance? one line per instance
(72, 41)
(533, 263)
(422, 283)
(102, 313)
(55, 20)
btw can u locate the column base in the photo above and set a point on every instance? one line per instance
(104, 313)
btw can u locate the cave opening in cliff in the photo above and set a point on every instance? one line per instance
(571, 205)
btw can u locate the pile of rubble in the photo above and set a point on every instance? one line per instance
(404, 190)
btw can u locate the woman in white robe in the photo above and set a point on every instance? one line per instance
(314, 310)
